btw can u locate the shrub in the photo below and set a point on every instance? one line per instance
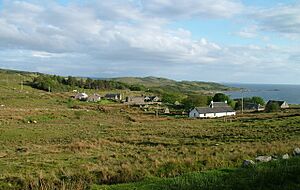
(272, 107)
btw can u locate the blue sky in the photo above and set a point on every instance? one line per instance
(211, 40)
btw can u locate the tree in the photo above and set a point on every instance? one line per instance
(272, 107)
(136, 87)
(169, 97)
(71, 81)
(248, 101)
(195, 101)
(220, 97)
(88, 83)
(257, 100)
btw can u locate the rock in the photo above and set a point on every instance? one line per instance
(285, 156)
(296, 152)
(263, 158)
(21, 149)
(274, 157)
(247, 163)
(34, 121)
(2, 155)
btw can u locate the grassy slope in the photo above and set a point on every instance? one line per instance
(176, 86)
(277, 175)
(75, 148)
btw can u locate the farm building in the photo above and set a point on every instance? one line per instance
(282, 104)
(81, 96)
(135, 100)
(253, 106)
(152, 98)
(117, 97)
(215, 109)
(94, 98)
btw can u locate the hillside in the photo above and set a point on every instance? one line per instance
(175, 86)
(154, 84)
(51, 141)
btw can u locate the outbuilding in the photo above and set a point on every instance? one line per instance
(94, 98)
(281, 104)
(81, 96)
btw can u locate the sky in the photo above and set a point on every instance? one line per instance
(239, 41)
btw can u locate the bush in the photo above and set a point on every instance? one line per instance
(195, 101)
(272, 107)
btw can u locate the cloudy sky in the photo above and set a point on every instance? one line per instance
(251, 41)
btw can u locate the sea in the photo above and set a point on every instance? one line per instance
(289, 93)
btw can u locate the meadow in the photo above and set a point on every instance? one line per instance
(49, 141)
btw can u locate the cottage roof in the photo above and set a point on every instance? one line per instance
(111, 95)
(82, 95)
(280, 103)
(95, 96)
(218, 104)
(151, 98)
(205, 110)
(136, 98)
(251, 106)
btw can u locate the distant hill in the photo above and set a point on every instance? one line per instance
(154, 84)
(174, 86)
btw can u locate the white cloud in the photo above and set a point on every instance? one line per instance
(125, 38)
(191, 8)
(248, 32)
(60, 29)
(282, 19)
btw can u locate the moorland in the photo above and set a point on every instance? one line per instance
(51, 141)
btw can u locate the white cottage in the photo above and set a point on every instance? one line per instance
(215, 109)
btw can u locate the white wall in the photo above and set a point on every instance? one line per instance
(213, 115)
(284, 105)
(194, 113)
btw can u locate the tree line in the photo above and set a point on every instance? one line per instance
(56, 83)
(191, 101)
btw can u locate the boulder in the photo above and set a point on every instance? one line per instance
(247, 163)
(296, 152)
(285, 156)
(21, 149)
(2, 155)
(263, 158)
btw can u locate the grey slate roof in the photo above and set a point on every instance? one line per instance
(276, 101)
(205, 110)
(112, 95)
(218, 104)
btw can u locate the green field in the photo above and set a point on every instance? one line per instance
(45, 143)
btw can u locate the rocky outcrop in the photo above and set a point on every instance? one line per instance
(296, 152)
(285, 156)
(263, 158)
(248, 163)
